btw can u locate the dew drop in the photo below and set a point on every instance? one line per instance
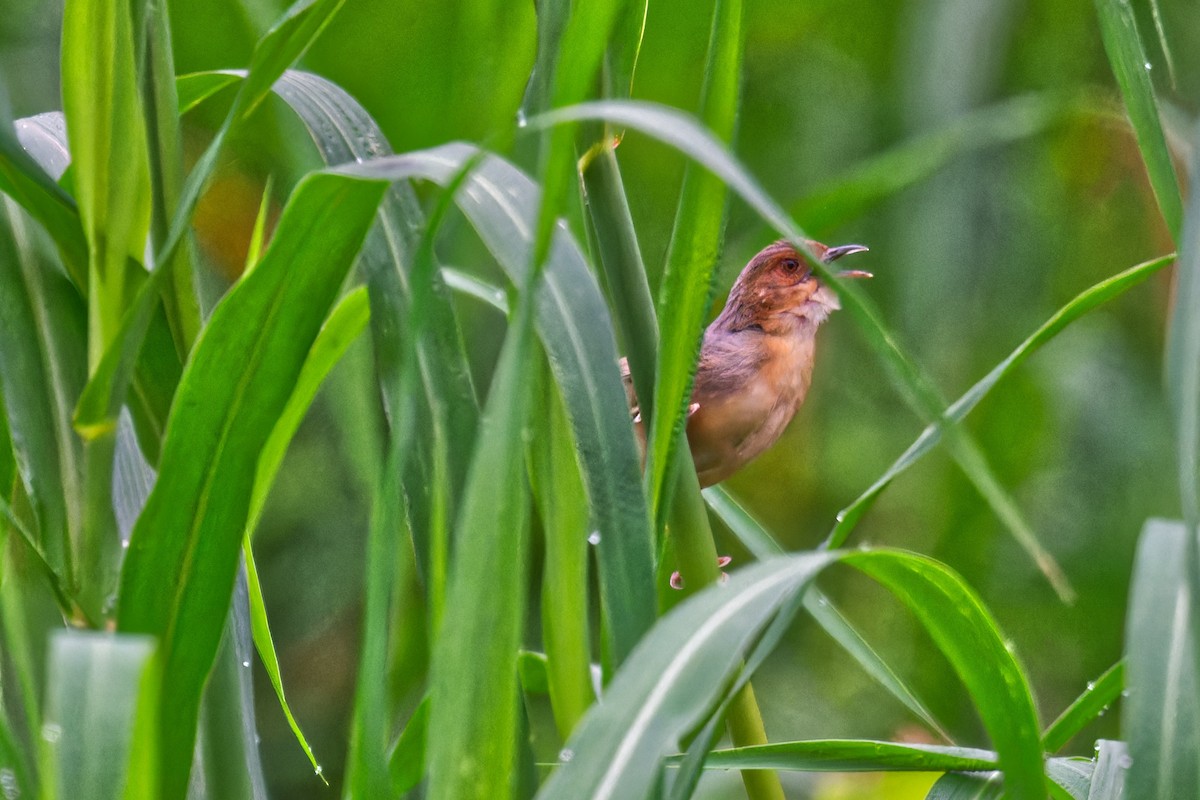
(594, 538)
(124, 544)
(246, 664)
(522, 120)
(51, 732)
(565, 755)
(840, 517)
(1148, 66)
(1091, 686)
(318, 770)
(1125, 761)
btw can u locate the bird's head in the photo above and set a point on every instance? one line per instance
(780, 286)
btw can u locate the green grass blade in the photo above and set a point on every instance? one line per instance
(227, 741)
(624, 271)
(681, 131)
(109, 155)
(342, 328)
(94, 744)
(967, 635)
(576, 331)
(474, 714)
(672, 682)
(406, 765)
(1100, 694)
(1131, 67)
(156, 373)
(32, 185)
(746, 528)
(342, 132)
(196, 87)
(562, 507)
(620, 62)
(1086, 301)
(367, 771)
(685, 296)
(182, 557)
(43, 364)
(853, 755)
(675, 679)
(1161, 715)
(165, 142)
(265, 646)
(552, 16)
(756, 538)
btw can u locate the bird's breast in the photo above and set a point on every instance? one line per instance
(731, 427)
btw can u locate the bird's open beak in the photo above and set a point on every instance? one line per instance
(834, 253)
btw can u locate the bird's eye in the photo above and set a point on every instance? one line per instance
(791, 264)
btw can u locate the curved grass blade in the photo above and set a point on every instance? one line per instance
(196, 87)
(1161, 718)
(673, 680)
(576, 332)
(227, 757)
(264, 644)
(182, 556)
(966, 634)
(1100, 694)
(756, 538)
(341, 329)
(1084, 302)
(681, 131)
(1130, 66)
(400, 296)
(853, 755)
(683, 667)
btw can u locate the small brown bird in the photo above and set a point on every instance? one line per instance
(756, 362)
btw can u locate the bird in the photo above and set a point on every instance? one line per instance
(756, 360)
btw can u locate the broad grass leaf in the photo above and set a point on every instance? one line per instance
(853, 755)
(1127, 56)
(681, 670)
(182, 556)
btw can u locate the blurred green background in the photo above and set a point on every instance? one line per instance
(1027, 188)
